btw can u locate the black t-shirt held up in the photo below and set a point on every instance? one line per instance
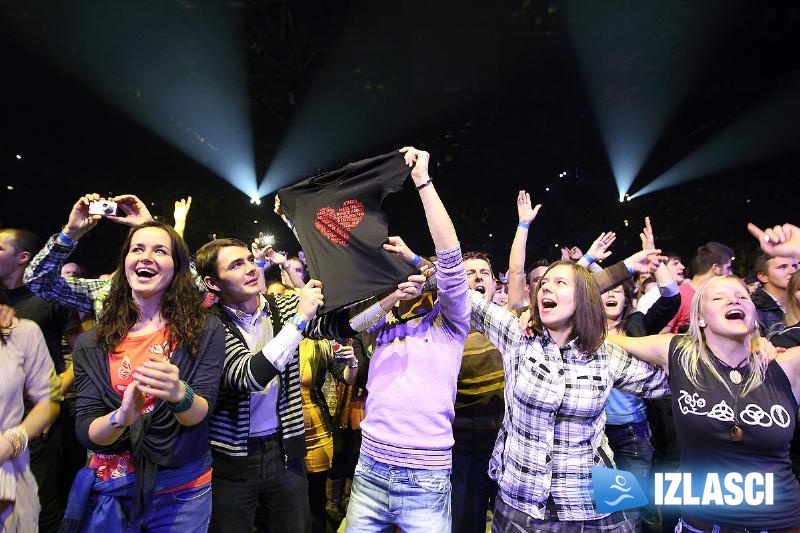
(338, 219)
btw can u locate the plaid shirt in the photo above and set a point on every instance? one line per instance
(553, 428)
(43, 278)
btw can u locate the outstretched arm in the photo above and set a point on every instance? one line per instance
(516, 259)
(653, 349)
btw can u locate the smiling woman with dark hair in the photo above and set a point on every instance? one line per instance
(146, 379)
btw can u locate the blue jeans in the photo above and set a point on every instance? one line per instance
(184, 511)
(472, 489)
(633, 453)
(384, 496)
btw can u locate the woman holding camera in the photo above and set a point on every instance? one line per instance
(146, 378)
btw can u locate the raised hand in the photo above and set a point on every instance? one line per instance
(80, 221)
(418, 161)
(783, 240)
(526, 212)
(645, 261)
(396, 245)
(135, 210)
(646, 236)
(599, 248)
(574, 253)
(310, 299)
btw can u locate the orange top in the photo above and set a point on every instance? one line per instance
(132, 352)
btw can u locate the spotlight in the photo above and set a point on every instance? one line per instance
(621, 199)
(10, 187)
(547, 189)
(625, 222)
(19, 156)
(256, 201)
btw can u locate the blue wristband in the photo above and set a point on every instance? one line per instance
(299, 322)
(630, 268)
(261, 264)
(417, 260)
(66, 239)
(525, 225)
(589, 258)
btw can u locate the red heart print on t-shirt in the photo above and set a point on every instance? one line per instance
(336, 225)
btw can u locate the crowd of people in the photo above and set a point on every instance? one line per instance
(207, 391)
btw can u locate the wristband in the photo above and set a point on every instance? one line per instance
(68, 240)
(524, 225)
(420, 187)
(113, 420)
(299, 322)
(416, 261)
(589, 258)
(354, 365)
(186, 403)
(629, 267)
(260, 264)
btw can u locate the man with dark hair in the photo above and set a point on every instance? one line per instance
(770, 299)
(712, 259)
(479, 411)
(257, 432)
(52, 470)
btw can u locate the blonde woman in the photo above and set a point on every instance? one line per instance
(733, 408)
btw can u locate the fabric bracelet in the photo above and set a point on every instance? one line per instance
(416, 261)
(589, 258)
(260, 264)
(420, 187)
(186, 403)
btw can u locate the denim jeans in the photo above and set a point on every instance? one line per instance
(261, 490)
(472, 489)
(183, 511)
(633, 453)
(384, 496)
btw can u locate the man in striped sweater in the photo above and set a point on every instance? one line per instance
(257, 431)
(403, 474)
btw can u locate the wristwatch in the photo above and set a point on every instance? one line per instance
(113, 420)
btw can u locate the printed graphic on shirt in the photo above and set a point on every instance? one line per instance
(752, 414)
(336, 225)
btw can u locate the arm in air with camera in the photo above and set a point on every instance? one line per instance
(43, 275)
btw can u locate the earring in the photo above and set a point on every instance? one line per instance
(701, 323)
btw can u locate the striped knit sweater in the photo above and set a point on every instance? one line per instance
(245, 372)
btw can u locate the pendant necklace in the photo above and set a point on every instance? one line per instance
(736, 433)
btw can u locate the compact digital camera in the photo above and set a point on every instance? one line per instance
(102, 207)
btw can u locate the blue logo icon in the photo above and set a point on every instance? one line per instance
(616, 490)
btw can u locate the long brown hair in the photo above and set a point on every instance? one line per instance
(180, 303)
(589, 320)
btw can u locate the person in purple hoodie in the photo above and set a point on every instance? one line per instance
(403, 474)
